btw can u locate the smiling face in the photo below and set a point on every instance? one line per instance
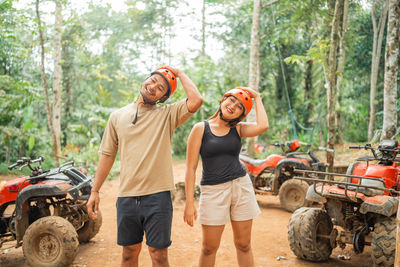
(232, 108)
(154, 88)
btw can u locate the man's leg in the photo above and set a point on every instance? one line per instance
(159, 257)
(242, 239)
(130, 231)
(211, 240)
(130, 255)
(158, 211)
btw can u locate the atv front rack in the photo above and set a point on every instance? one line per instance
(351, 190)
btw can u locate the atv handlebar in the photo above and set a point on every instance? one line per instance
(22, 162)
(367, 146)
(384, 155)
(326, 149)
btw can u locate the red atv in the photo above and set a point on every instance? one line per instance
(364, 205)
(46, 213)
(274, 174)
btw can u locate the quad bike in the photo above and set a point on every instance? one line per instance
(46, 213)
(274, 174)
(360, 210)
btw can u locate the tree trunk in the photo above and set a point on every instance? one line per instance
(391, 69)
(45, 86)
(376, 55)
(203, 29)
(308, 86)
(331, 86)
(254, 67)
(57, 76)
(340, 70)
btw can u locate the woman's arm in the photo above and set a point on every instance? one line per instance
(251, 129)
(192, 159)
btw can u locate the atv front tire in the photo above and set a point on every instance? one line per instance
(292, 194)
(384, 242)
(90, 228)
(308, 232)
(50, 241)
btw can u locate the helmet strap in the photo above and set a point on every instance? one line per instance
(222, 117)
(145, 100)
(136, 115)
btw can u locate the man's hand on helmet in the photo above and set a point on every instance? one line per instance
(175, 71)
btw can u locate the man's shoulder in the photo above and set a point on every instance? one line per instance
(122, 110)
(175, 104)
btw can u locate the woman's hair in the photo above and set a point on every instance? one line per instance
(231, 123)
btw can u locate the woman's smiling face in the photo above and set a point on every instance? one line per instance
(231, 108)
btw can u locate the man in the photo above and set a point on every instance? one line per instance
(141, 132)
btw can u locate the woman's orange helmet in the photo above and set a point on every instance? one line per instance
(243, 96)
(169, 77)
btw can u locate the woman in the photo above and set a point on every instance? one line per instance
(226, 190)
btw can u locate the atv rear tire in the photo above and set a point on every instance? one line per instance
(384, 242)
(292, 194)
(308, 229)
(90, 228)
(50, 241)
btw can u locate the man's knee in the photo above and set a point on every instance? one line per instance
(159, 255)
(130, 253)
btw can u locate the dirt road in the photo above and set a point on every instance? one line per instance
(269, 239)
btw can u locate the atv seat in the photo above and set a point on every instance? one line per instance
(367, 190)
(254, 162)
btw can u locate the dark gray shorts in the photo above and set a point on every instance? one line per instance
(150, 214)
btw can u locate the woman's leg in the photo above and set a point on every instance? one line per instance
(211, 240)
(242, 239)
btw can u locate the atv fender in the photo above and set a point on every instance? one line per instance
(21, 217)
(21, 205)
(381, 204)
(280, 179)
(314, 196)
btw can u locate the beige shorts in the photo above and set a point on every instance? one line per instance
(231, 201)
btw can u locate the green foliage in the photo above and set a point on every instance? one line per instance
(106, 55)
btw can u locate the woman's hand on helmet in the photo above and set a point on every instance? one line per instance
(175, 71)
(253, 93)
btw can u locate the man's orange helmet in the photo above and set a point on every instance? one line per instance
(243, 96)
(169, 77)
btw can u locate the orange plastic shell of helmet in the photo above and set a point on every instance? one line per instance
(169, 76)
(243, 96)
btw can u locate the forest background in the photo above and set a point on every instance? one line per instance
(319, 65)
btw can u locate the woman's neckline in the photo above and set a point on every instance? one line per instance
(209, 126)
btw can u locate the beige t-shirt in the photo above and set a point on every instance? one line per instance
(144, 147)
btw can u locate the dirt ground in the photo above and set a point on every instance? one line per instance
(269, 239)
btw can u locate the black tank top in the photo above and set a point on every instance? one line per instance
(220, 157)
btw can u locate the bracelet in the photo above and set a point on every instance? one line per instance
(96, 191)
